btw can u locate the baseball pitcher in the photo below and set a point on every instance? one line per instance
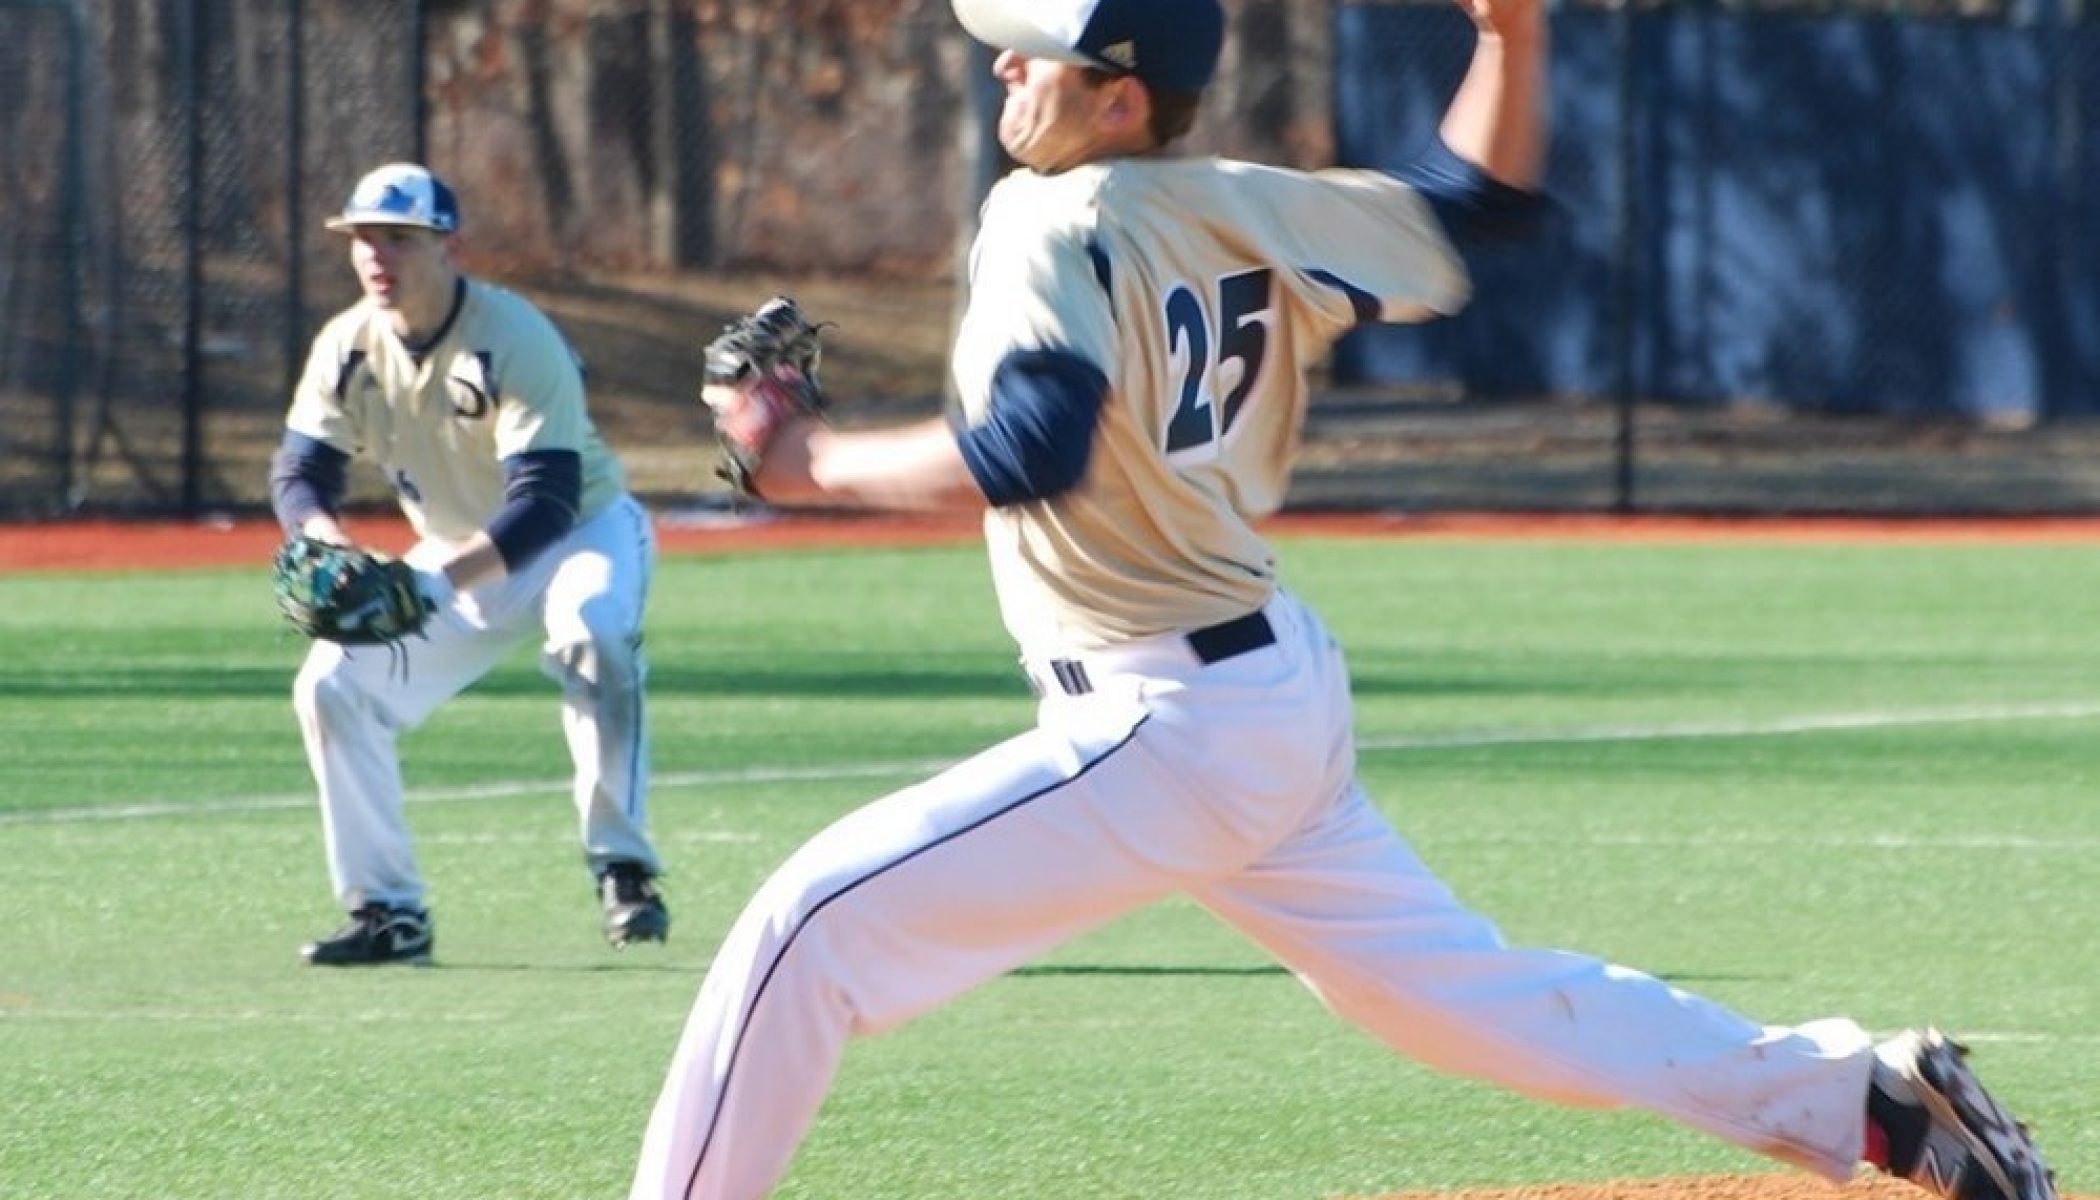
(1131, 367)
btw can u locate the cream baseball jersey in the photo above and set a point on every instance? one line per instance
(499, 381)
(1203, 289)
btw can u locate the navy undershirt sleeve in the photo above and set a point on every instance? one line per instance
(542, 491)
(1038, 431)
(307, 477)
(1474, 207)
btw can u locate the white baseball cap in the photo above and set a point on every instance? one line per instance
(1170, 44)
(400, 194)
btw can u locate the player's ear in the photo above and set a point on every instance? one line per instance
(1123, 96)
(1129, 105)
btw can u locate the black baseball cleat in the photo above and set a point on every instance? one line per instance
(634, 911)
(376, 934)
(1930, 1121)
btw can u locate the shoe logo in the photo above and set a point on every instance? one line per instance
(2005, 1152)
(407, 933)
(1932, 1173)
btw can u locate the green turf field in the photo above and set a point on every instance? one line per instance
(1805, 780)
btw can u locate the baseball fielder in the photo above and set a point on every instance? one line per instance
(1131, 368)
(472, 403)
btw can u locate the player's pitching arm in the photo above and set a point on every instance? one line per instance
(911, 468)
(1498, 118)
(1032, 442)
(1482, 174)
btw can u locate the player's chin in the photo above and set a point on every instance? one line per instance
(1043, 155)
(1016, 136)
(1029, 155)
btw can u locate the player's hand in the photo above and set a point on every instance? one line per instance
(347, 595)
(760, 377)
(722, 400)
(436, 587)
(750, 416)
(752, 413)
(323, 528)
(1505, 18)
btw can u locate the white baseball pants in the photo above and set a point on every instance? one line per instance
(585, 595)
(1233, 783)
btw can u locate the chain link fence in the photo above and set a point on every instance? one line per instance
(1808, 256)
(42, 54)
(163, 162)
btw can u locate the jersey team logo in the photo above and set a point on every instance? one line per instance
(467, 384)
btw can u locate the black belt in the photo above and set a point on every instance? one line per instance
(1211, 644)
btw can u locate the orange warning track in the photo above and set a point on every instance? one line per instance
(100, 545)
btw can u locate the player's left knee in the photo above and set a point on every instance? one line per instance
(326, 695)
(596, 663)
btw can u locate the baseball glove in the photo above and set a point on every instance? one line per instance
(347, 595)
(770, 358)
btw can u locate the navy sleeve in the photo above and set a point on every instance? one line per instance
(307, 477)
(542, 490)
(1473, 206)
(1038, 433)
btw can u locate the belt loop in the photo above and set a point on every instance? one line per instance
(1229, 639)
(1071, 675)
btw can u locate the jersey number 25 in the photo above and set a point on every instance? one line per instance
(1201, 422)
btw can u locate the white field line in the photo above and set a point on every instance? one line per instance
(1772, 727)
(1820, 840)
(24, 1008)
(455, 795)
(1810, 723)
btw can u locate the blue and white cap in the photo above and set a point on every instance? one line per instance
(1170, 44)
(400, 194)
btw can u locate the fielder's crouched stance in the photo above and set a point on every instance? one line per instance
(1131, 374)
(473, 404)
